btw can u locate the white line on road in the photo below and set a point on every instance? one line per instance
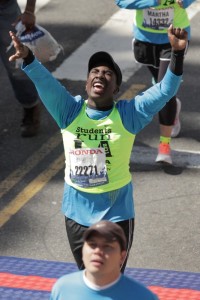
(114, 37)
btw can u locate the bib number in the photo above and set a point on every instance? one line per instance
(88, 167)
(158, 19)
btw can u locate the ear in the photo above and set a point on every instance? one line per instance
(123, 257)
(116, 90)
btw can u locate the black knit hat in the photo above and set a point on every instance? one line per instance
(104, 57)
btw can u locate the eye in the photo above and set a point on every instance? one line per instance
(92, 245)
(108, 247)
(94, 71)
(109, 73)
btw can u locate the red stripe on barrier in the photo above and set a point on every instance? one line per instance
(26, 282)
(37, 283)
(175, 294)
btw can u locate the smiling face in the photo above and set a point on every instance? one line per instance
(102, 259)
(101, 86)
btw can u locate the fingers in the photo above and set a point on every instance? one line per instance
(174, 31)
(183, 34)
(21, 50)
(13, 57)
(28, 20)
(180, 33)
(14, 38)
(170, 30)
(177, 37)
(177, 32)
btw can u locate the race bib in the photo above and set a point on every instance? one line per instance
(158, 19)
(88, 167)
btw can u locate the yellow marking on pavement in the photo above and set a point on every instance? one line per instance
(31, 190)
(10, 181)
(132, 91)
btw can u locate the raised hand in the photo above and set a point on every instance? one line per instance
(27, 19)
(178, 38)
(21, 50)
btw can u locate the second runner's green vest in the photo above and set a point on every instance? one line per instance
(158, 19)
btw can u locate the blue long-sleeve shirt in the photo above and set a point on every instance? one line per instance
(87, 208)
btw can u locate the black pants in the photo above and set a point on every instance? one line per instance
(157, 58)
(168, 112)
(75, 236)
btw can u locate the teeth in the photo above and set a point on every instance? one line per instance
(98, 85)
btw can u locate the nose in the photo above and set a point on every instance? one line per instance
(101, 74)
(98, 250)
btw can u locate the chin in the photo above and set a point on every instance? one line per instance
(97, 96)
(95, 267)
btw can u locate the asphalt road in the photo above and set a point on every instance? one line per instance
(167, 199)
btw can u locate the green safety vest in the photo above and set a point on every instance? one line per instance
(86, 137)
(158, 19)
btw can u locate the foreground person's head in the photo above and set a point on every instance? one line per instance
(104, 251)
